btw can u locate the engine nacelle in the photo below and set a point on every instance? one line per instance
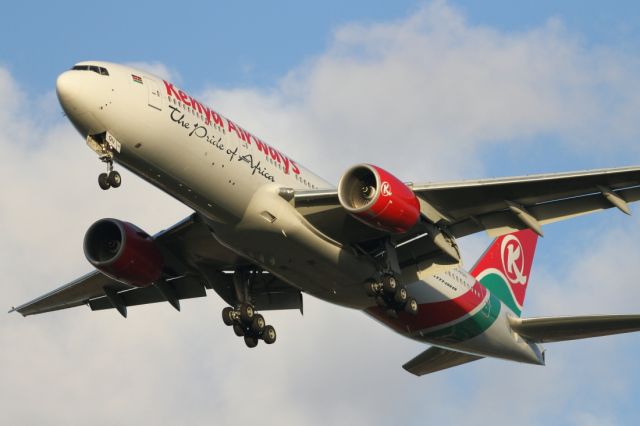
(124, 252)
(378, 198)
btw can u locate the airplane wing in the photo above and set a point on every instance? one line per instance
(497, 206)
(436, 359)
(195, 261)
(559, 329)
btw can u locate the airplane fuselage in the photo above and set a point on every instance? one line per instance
(233, 180)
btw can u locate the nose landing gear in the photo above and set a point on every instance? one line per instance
(248, 324)
(112, 178)
(104, 144)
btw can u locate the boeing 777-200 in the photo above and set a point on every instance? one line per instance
(265, 230)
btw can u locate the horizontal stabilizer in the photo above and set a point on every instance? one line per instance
(558, 329)
(436, 359)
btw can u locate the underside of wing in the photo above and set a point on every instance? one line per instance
(436, 359)
(558, 329)
(194, 262)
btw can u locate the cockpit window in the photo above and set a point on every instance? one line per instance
(94, 68)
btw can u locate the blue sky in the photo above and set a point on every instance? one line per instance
(249, 43)
(429, 90)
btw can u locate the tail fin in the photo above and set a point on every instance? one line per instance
(505, 267)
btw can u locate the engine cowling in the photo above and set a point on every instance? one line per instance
(124, 252)
(378, 198)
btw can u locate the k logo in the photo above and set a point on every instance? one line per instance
(513, 260)
(386, 189)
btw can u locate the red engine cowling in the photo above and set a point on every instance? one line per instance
(378, 198)
(124, 252)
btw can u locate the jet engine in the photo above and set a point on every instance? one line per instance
(123, 252)
(379, 199)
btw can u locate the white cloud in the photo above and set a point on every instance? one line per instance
(422, 96)
(444, 90)
(157, 68)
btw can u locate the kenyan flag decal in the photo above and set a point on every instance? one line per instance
(136, 78)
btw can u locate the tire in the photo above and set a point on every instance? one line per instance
(389, 284)
(381, 302)
(251, 341)
(269, 334)
(371, 288)
(258, 323)
(246, 313)
(237, 328)
(226, 315)
(115, 180)
(103, 181)
(401, 296)
(411, 306)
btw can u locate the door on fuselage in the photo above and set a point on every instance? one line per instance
(155, 99)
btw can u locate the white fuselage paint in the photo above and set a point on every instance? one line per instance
(234, 186)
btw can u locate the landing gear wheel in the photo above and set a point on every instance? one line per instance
(389, 284)
(237, 328)
(401, 296)
(257, 325)
(269, 335)
(251, 341)
(371, 288)
(114, 179)
(103, 181)
(226, 315)
(246, 313)
(411, 306)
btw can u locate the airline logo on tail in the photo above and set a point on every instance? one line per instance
(505, 267)
(513, 260)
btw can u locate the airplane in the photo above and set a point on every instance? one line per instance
(265, 230)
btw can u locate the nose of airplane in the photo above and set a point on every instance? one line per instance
(68, 91)
(80, 95)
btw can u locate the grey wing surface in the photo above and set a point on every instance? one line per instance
(194, 262)
(559, 329)
(436, 359)
(497, 206)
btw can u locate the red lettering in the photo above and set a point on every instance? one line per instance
(262, 146)
(246, 136)
(296, 170)
(233, 127)
(285, 160)
(171, 91)
(184, 98)
(216, 118)
(196, 105)
(274, 154)
(207, 113)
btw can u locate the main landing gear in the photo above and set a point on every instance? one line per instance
(247, 323)
(112, 178)
(389, 293)
(391, 296)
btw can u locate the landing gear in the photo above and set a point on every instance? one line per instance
(388, 291)
(103, 181)
(105, 145)
(110, 179)
(248, 324)
(114, 179)
(391, 296)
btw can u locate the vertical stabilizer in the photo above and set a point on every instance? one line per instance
(505, 268)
